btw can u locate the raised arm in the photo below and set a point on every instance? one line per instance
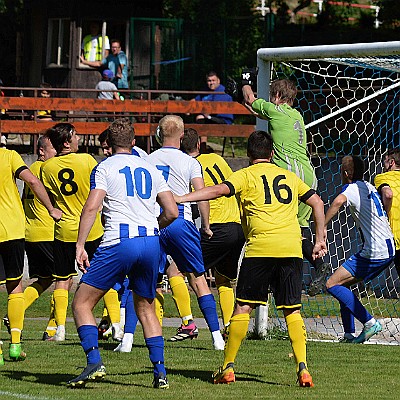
(207, 193)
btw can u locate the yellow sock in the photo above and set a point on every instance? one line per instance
(105, 313)
(238, 328)
(60, 306)
(180, 294)
(51, 324)
(226, 302)
(159, 305)
(298, 337)
(32, 293)
(16, 313)
(112, 304)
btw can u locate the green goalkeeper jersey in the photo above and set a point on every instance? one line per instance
(288, 132)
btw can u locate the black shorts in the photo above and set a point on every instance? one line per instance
(223, 250)
(64, 257)
(397, 262)
(283, 276)
(40, 259)
(12, 260)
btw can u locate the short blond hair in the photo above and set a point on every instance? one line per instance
(171, 126)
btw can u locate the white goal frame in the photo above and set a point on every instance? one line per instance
(265, 59)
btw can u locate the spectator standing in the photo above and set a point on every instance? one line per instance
(92, 44)
(117, 62)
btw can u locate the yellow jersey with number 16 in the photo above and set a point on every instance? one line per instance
(269, 196)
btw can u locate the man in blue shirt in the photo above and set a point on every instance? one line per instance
(214, 86)
(117, 62)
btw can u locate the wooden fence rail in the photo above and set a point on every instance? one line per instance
(82, 113)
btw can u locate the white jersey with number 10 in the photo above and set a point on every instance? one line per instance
(132, 186)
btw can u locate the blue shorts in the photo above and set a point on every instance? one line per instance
(181, 240)
(138, 258)
(366, 268)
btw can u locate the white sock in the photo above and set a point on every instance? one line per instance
(127, 339)
(216, 335)
(348, 335)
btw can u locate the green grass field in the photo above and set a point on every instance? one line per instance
(264, 369)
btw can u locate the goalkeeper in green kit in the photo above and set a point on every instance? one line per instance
(286, 126)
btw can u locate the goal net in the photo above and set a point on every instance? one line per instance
(349, 96)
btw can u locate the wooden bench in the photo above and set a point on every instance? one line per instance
(82, 112)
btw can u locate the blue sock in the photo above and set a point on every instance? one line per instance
(131, 318)
(347, 319)
(89, 340)
(351, 302)
(209, 309)
(155, 345)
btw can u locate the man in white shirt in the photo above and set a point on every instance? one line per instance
(181, 240)
(376, 254)
(127, 188)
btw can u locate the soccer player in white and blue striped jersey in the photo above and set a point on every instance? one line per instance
(376, 254)
(181, 239)
(127, 188)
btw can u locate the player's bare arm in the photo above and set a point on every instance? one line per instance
(387, 198)
(86, 222)
(204, 207)
(334, 208)
(207, 193)
(40, 192)
(170, 210)
(317, 205)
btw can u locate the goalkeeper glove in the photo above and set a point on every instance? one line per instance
(249, 77)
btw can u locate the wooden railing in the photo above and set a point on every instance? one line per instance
(82, 112)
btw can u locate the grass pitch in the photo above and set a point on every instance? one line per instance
(264, 369)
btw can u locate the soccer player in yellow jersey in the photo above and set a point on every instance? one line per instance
(39, 238)
(286, 126)
(388, 186)
(222, 251)
(12, 239)
(269, 197)
(67, 178)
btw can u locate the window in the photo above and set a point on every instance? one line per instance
(58, 42)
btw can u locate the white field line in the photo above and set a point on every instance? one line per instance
(22, 396)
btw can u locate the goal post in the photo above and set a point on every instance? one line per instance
(349, 96)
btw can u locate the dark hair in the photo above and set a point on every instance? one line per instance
(103, 137)
(45, 85)
(41, 144)
(285, 89)
(394, 154)
(354, 166)
(211, 73)
(121, 133)
(259, 145)
(59, 134)
(190, 140)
